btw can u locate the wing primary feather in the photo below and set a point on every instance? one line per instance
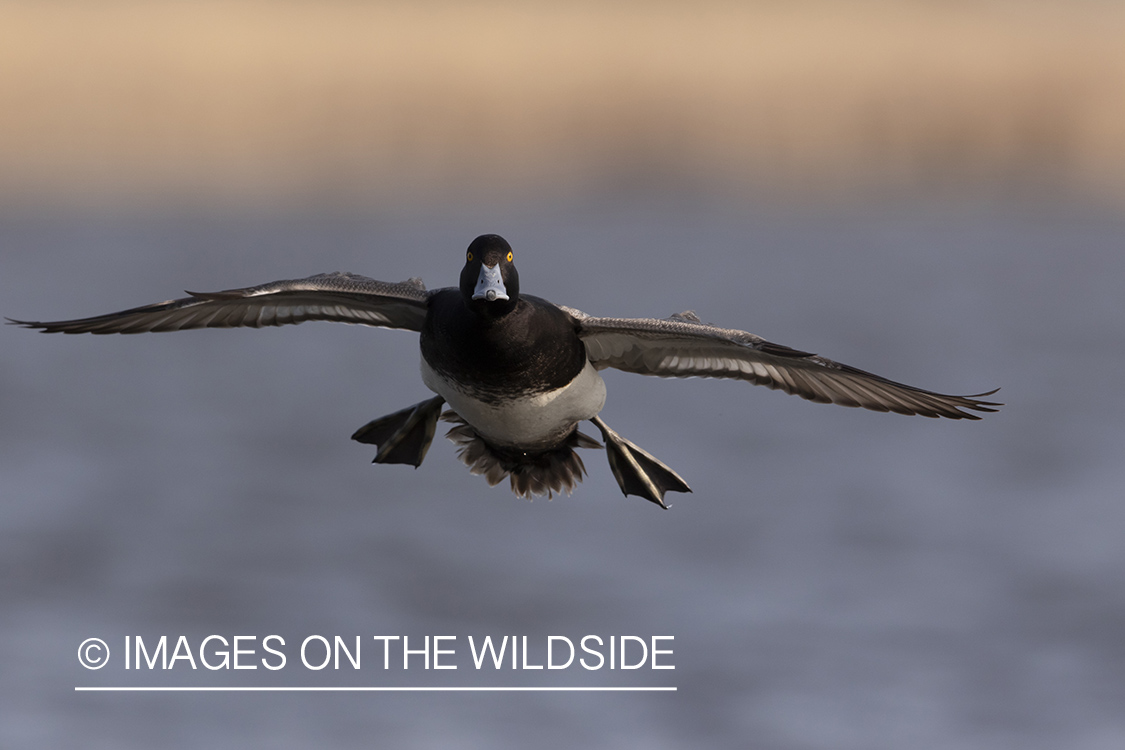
(681, 346)
(343, 297)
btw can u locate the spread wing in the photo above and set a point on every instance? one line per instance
(682, 347)
(343, 297)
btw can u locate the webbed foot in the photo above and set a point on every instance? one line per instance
(405, 436)
(637, 471)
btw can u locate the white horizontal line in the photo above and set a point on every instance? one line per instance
(368, 689)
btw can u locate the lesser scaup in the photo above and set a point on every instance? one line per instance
(519, 373)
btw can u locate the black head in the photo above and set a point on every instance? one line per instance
(489, 282)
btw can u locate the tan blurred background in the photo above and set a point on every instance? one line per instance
(250, 101)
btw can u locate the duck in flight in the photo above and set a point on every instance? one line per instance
(519, 373)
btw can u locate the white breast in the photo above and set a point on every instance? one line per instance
(533, 422)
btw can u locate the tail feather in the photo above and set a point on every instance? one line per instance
(530, 473)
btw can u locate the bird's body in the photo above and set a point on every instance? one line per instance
(536, 421)
(519, 373)
(525, 383)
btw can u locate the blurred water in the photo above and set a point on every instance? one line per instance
(838, 579)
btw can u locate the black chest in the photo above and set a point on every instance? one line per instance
(532, 349)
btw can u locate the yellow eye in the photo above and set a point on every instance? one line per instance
(469, 257)
(509, 256)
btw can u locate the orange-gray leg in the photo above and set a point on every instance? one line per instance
(405, 436)
(638, 471)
